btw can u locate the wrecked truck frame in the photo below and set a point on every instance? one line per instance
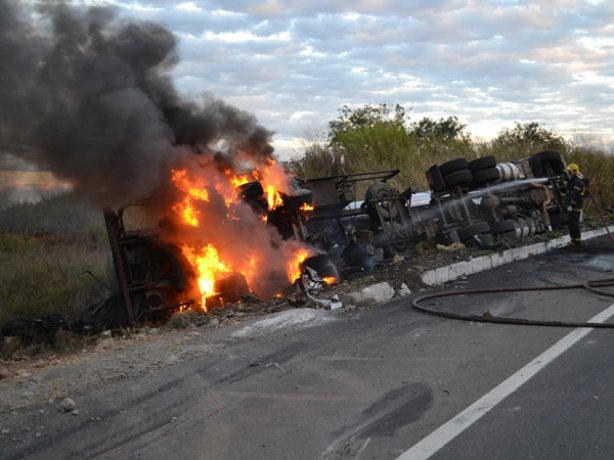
(150, 278)
(484, 202)
(352, 231)
(150, 275)
(481, 203)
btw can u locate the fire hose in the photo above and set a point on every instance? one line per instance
(591, 285)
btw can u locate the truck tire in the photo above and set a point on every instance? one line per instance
(467, 233)
(398, 247)
(455, 178)
(482, 163)
(453, 165)
(508, 225)
(485, 175)
(388, 208)
(538, 161)
(525, 229)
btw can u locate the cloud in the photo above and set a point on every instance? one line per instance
(517, 60)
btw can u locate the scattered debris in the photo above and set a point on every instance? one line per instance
(68, 405)
(34, 331)
(403, 291)
(332, 304)
(371, 295)
(397, 259)
(186, 318)
(451, 247)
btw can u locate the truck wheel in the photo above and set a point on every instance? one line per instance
(508, 225)
(453, 165)
(525, 230)
(388, 207)
(482, 163)
(539, 160)
(462, 176)
(467, 233)
(398, 247)
(485, 175)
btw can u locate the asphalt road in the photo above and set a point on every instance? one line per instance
(370, 384)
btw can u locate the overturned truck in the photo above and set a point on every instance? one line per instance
(480, 203)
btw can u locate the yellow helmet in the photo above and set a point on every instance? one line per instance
(573, 168)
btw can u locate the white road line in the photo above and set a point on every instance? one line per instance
(456, 425)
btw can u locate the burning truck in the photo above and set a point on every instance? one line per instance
(90, 98)
(224, 235)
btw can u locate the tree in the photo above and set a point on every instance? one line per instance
(429, 130)
(317, 161)
(365, 117)
(528, 138)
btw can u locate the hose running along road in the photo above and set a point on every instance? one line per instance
(591, 285)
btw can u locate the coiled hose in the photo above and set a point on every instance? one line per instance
(591, 285)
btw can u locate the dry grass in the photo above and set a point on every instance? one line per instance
(42, 275)
(46, 262)
(598, 167)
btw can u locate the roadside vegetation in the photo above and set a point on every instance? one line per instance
(381, 137)
(54, 252)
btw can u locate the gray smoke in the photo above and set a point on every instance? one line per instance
(87, 95)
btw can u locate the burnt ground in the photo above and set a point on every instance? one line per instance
(40, 373)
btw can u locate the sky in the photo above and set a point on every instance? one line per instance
(490, 63)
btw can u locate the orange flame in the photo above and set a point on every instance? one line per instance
(275, 178)
(273, 198)
(187, 211)
(214, 258)
(293, 268)
(238, 179)
(195, 190)
(209, 266)
(329, 280)
(307, 207)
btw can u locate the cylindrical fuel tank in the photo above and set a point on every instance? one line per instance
(509, 172)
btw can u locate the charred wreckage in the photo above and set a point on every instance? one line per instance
(323, 230)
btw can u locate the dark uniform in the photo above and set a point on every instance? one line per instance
(574, 200)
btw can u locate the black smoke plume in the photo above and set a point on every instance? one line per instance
(88, 96)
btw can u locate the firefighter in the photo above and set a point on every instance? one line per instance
(574, 200)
